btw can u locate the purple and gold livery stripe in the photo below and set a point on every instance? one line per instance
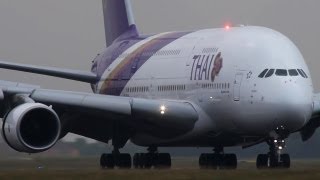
(122, 73)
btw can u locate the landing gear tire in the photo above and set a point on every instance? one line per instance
(124, 161)
(230, 161)
(203, 161)
(285, 161)
(273, 161)
(265, 161)
(262, 161)
(138, 161)
(107, 161)
(110, 161)
(149, 160)
(215, 161)
(218, 161)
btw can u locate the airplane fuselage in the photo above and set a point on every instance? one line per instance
(217, 88)
(245, 82)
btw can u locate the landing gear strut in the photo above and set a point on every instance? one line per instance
(274, 159)
(218, 160)
(116, 159)
(152, 159)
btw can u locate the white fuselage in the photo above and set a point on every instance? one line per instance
(226, 90)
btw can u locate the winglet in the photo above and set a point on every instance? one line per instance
(71, 74)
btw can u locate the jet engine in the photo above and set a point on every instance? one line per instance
(31, 128)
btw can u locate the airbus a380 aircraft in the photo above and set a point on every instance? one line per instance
(235, 86)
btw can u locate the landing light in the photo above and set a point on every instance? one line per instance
(163, 109)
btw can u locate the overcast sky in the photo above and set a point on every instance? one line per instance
(69, 33)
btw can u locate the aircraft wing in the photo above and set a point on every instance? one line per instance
(97, 116)
(76, 75)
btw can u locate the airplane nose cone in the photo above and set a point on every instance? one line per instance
(294, 109)
(292, 116)
(288, 106)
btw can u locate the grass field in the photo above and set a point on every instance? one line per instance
(183, 168)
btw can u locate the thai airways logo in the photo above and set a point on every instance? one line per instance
(217, 66)
(206, 67)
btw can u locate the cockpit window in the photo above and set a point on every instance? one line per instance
(293, 72)
(282, 72)
(305, 74)
(263, 73)
(301, 73)
(270, 73)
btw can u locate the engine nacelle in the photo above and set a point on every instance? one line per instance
(31, 128)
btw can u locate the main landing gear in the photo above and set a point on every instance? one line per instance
(274, 159)
(140, 160)
(152, 159)
(116, 159)
(218, 160)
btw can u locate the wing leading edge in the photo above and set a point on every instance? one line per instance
(71, 74)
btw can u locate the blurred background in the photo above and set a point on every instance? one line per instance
(70, 33)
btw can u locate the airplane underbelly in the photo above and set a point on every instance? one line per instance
(255, 119)
(226, 140)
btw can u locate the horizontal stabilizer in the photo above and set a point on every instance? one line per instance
(76, 75)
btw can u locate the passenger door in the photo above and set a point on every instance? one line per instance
(237, 86)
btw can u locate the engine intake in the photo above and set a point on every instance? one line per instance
(31, 128)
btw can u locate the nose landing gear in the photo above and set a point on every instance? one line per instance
(275, 158)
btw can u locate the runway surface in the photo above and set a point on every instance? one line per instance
(183, 168)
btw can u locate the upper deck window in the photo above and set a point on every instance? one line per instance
(293, 72)
(281, 72)
(270, 73)
(263, 73)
